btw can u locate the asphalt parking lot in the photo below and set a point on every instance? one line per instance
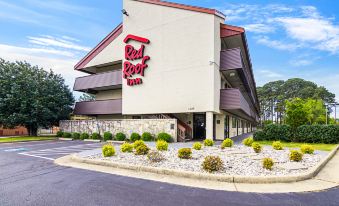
(28, 176)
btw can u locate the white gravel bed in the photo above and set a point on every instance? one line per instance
(238, 160)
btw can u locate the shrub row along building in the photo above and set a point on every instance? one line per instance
(172, 61)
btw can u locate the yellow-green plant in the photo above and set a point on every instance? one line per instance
(248, 141)
(212, 163)
(126, 147)
(162, 145)
(138, 143)
(307, 149)
(185, 153)
(277, 145)
(256, 147)
(142, 149)
(296, 156)
(226, 143)
(208, 142)
(267, 163)
(108, 150)
(197, 146)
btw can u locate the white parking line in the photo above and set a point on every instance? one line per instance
(47, 158)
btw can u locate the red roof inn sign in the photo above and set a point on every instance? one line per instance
(132, 54)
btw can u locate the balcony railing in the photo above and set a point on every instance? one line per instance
(101, 81)
(112, 106)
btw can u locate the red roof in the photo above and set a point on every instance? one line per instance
(105, 42)
(186, 7)
(229, 30)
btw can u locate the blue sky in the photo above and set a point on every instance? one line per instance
(286, 38)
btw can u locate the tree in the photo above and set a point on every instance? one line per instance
(86, 97)
(316, 111)
(296, 113)
(32, 97)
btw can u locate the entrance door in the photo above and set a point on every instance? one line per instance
(199, 126)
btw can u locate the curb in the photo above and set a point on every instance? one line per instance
(91, 140)
(65, 139)
(214, 177)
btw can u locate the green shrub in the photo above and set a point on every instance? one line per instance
(126, 147)
(162, 145)
(142, 149)
(267, 163)
(197, 146)
(296, 156)
(277, 145)
(134, 137)
(226, 143)
(146, 136)
(67, 135)
(208, 142)
(256, 147)
(185, 153)
(95, 135)
(307, 149)
(164, 136)
(328, 134)
(84, 135)
(76, 135)
(120, 136)
(59, 133)
(259, 135)
(138, 143)
(278, 132)
(108, 150)
(155, 156)
(108, 136)
(212, 164)
(248, 141)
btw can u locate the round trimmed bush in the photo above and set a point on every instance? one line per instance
(126, 147)
(95, 135)
(267, 163)
(84, 135)
(142, 150)
(59, 133)
(146, 136)
(256, 147)
(108, 136)
(164, 136)
(155, 156)
(277, 145)
(296, 156)
(162, 145)
(185, 153)
(138, 143)
(76, 135)
(208, 142)
(226, 143)
(248, 141)
(67, 135)
(134, 137)
(108, 150)
(307, 149)
(197, 146)
(212, 164)
(120, 136)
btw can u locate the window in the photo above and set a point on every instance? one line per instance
(234, 122)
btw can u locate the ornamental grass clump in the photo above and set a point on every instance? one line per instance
(138, 143)
(296, 156)
(267, 163)
(185, 153)
(162, 145)
(208, 142)
(307, 149)
(126, 147)
(142, 149)
(155, 156)
(256, 147)
(197, 146)
(226, 143)
(108, 136)
(277, 145)
(108, 150)
(212, 164)
(248, 141)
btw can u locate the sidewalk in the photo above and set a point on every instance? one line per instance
(327, 178)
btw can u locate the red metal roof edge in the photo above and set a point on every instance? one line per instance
(96, 50)
(185, 7)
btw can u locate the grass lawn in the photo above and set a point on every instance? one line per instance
(317, 146)
(21, 139)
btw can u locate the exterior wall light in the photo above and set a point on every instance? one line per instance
(124, 12)
(232, 74)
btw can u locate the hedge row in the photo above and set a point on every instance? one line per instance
(305, 133)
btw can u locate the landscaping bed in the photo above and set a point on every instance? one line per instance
(237, 160)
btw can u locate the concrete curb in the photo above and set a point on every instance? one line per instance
(65, 139)
(214, 177)
(91, 140)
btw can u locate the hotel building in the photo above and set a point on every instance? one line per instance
(168, 60)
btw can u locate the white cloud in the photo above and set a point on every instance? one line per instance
(301, 62)
(259, 28)
(264, 40)
(57, 42)
(269, 73)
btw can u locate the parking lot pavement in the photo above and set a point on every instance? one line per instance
(35, 180)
